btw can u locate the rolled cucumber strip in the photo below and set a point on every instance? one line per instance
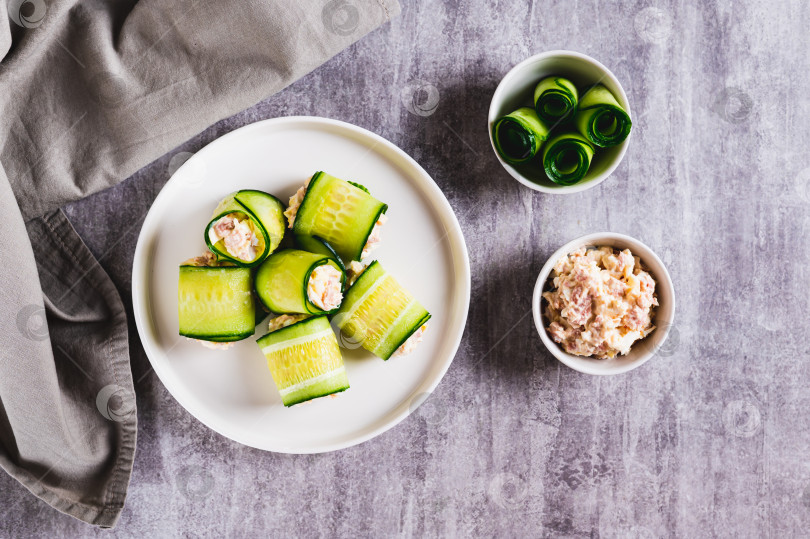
(567, 158)
(340, 213)
(304, 360)
(314, 244)
(519, 135)
(555, 100)
(283, 281)
(215, 303)
(256, 232)
(379, 313)
(601, 119)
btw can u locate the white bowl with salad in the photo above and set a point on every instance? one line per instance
(604, 304)
(559, 122)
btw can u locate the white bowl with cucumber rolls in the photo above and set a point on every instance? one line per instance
(559, 122)
(604, 304)
(299, 302)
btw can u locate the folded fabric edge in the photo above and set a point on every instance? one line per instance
(106, 515)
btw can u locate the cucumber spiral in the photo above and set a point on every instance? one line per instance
(519, 135)
(567, 158)
(555, 99)
(601, 119)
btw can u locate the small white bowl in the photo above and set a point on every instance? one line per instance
(517, 90)
(662, 318)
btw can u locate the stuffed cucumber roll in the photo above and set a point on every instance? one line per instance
(380, 314)
(304, 358)
(215, 302)
(341, 213)
(293, 281)
(246, 227)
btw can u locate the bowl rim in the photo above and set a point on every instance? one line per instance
(584, 364)
(502, 86)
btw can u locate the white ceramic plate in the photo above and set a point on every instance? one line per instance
(232, 391)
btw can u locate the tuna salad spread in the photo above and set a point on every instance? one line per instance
(601, 303)
(238, 238)
(323, 288)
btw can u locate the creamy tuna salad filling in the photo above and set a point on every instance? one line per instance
(323, 288)
(206, 259)
(374, 238)
(237, 237)
(284, 320)
(214, 345)
(601, 304)
(413, 341)
(295, 202)
(354, 271)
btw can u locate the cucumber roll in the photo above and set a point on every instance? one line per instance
(567, 158)
(215, 303)
(342, 214)
(555, 100)
(601, 119)
(518, 136)
(381, 315)
(304, 358)
(246, 227)
(293, 281)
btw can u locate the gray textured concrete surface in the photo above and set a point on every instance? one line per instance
(710, 438)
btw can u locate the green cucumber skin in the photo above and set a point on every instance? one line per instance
(422, 321)
(360, 186)
(561, 142)
(348, 243)
(359, 287)
(269, 210)
(307, 326)
(240, 324)
(536, 129)
(372, 273)
(281, 281)
(313, 397)
(596, 101)
(559, 87)
(314, 244)
(265, 212)
(303, 328)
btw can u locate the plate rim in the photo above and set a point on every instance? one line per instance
(460, 259)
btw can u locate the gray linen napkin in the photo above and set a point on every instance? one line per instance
(91, 91)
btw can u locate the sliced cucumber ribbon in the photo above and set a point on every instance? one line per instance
(264, 215)
(305, 360)
(379, 313)
(601, 119)
(519, 135)
(215, 303)
(282, 281)
(555, 99)
(567, 158)
(340, 213)
(275, 347)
